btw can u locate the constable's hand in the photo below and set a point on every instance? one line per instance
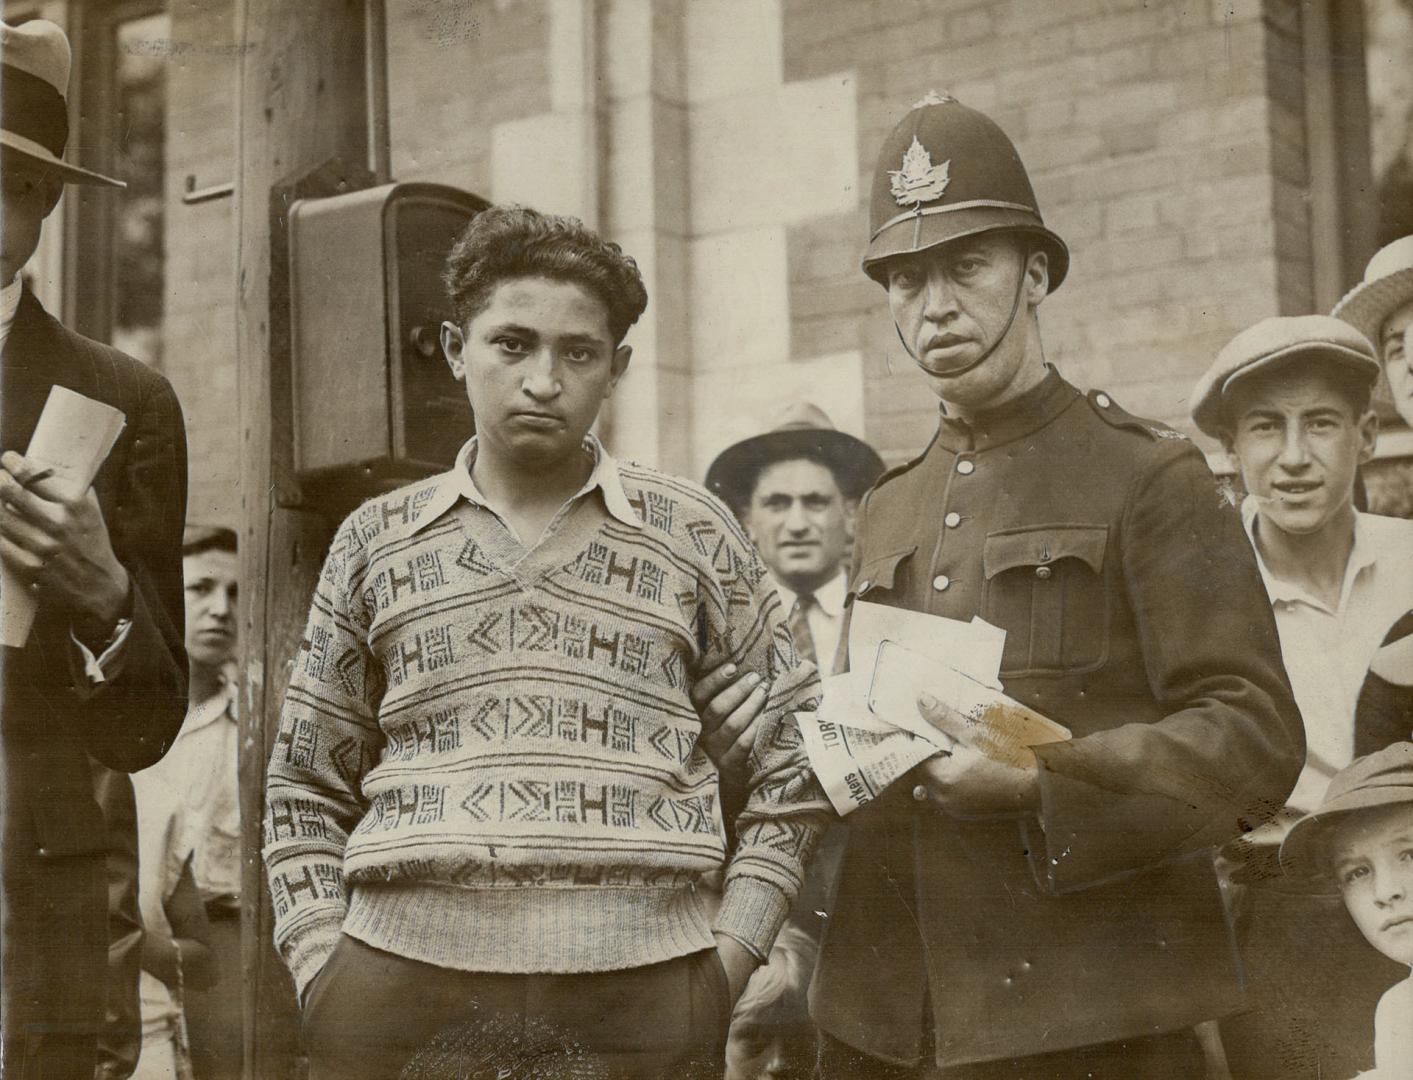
(965, 781)
(738, 962)
(58, 545)
(729, 704)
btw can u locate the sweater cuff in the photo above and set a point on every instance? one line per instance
(307, 951)
(752, 911)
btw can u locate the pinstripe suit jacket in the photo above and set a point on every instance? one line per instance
(55, 898)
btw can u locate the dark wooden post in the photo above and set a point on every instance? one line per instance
(302, 101)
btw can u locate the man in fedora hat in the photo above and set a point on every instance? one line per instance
(1288, 398)
(1062, 919)
(1381, 307)
(795, 489)
(103, 671)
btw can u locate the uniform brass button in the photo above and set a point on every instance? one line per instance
(940, 582)
(1102, 400)
(966, 468)
(1042, 572)
(952, 520)
(920, 793)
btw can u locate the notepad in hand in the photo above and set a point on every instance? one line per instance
(998, 726)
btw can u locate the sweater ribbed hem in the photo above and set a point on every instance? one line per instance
(530, 930)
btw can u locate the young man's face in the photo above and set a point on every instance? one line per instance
(1298, 443)
(30, 193)
(800, 522)
(538, 362)
(1371, 855)
(952, 302)
(1396, 345)
(756, 1051)
(211, 587)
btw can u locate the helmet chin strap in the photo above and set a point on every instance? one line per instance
(953, 372)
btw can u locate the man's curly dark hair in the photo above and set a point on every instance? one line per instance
(506, 242)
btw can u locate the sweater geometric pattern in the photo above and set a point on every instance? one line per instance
(488, 758)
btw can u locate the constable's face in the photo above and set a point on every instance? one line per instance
(211, 579)
(1298, 443)
(538, 362)
(1371, 854)
(952, 303)
(1396, 344)
(30, 193)
(801, 523)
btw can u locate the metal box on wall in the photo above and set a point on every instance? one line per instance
(371, 390)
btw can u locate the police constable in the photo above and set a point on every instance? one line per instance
(1062, 920)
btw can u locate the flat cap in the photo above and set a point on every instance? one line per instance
(1380, 779)
(1387, 286)
(1279, 340)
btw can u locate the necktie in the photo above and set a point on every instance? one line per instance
(800, 627)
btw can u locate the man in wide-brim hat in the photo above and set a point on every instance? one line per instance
(795, 489)
(103, 671)
(1059, 919)
(1381, 307)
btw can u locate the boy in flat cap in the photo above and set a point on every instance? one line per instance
(103, 672)
(1359, 841)
(1381, 307)
(1063, 919)
(1289, 400)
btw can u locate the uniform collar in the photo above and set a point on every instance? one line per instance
(456, 484)
(830, 596)
(10, 300)
(1362, 555)
(1015, 419)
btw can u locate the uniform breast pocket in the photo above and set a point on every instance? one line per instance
(1045, 586)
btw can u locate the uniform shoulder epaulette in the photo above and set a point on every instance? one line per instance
(1115, 415)
(898, 470)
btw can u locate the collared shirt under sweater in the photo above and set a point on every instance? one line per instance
(488, 756)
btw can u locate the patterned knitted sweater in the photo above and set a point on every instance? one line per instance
(488, 758)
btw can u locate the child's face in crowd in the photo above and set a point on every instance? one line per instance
(210, 579)
(1371, 854)
(767, 1051)
(538, 362)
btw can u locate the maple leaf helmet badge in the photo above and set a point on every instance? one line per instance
(919, 181)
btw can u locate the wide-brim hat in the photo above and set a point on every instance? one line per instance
(1282, 339)
(1380, 779)
(948, 172)
(34, 117)
(803, 431)
(1387, 286)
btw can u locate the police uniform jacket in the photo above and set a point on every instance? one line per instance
(1135, 616)
(55, 889)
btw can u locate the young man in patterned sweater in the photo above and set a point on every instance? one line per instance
(488, 811)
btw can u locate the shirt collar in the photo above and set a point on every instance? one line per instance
(830, 596)
(457, 483)
(1016, 419)
(209, 711)
(1362, 556)
(10, 301)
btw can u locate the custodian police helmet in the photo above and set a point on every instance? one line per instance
(946, 172)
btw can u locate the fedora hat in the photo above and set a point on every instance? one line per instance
(1387, 286)
(34, 115)
(803, 430)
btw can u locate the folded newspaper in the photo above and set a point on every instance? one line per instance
(73, 438)
(868, 731)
